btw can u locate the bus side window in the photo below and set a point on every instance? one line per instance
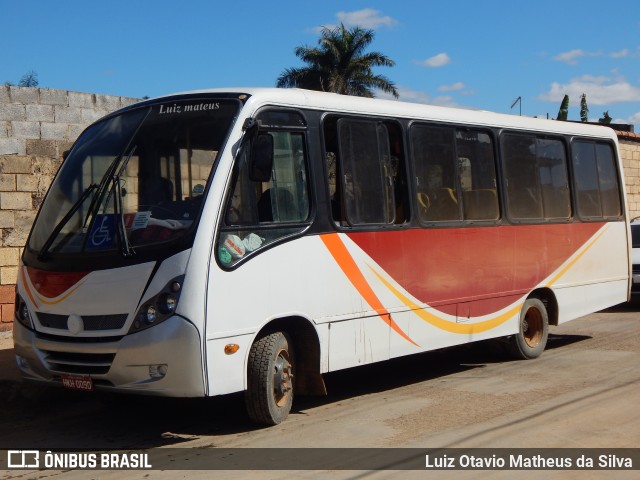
(397, 175)
(536, 177)
(433, 152)
(596, 180)
(523, 195)
(365, 171)
(367, 192)
(477, 173)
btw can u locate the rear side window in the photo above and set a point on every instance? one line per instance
(596, 180)
(536, 178)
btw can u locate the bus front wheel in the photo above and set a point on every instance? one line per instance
(269, 393)
(533, 330)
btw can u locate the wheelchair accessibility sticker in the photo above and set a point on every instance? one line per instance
(103, 232)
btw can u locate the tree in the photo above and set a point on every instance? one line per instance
(29, 79)
(606, 119)
(340, 64)
(584, 110)
(563, 113)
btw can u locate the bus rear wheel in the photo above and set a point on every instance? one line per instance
(533, 331)
(269, 393)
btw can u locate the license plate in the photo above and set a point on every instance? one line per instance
(77, 382)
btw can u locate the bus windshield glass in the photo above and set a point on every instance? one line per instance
(134, 179)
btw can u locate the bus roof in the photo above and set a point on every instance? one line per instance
(300, 98)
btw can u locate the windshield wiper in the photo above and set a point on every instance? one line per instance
(126, 248)
(42, 254)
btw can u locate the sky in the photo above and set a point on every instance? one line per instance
(506, 56)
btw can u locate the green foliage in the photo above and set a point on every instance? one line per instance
(584, 110)
(563, 113)
(29, 79)
(340, 64)
(606, 119)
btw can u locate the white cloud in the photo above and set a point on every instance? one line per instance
(439, 60)
(571, 56)
(599, 90)
(598, 79)
(409, 95)
(366, 18)
(451, 88)
(635, 118)
(621, 54)
(416, 96)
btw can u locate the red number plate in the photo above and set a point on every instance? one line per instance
(77, 382)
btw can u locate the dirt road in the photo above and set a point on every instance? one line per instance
(583, 392)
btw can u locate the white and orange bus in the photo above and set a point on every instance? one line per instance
(252, 240)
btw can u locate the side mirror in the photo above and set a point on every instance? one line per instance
(261, 158)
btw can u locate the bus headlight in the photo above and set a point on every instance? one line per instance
(151, 315)
(159, 307)
(168, 303)
(22, 313)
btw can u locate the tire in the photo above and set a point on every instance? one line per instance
(533, 331)
(270, 372)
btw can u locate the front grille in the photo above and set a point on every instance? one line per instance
(91, 322)
(75, 340)
(79, 363)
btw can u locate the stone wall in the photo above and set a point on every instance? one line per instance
(36, 126)
(630, 153)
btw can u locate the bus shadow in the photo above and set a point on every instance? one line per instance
(632, 306)
(49, 417)
(557, 341)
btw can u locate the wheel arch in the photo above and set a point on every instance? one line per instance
(306, 346)
(548, 298)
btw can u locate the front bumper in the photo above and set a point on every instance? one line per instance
(127, 364)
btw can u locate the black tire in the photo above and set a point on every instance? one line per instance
(270, 371)
(533, 331)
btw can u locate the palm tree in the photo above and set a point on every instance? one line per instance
(340, 64)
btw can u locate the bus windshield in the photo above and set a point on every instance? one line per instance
(134, 179)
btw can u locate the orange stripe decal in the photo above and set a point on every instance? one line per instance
(577, 257)
(348, 265)
(25, 284)
(453, 327)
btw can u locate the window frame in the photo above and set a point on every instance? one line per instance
(457, 185)
(595, 142)
(537, 136)
(290, 229)
(330, 120)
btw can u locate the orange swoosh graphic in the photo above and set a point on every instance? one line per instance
(25, 284)
(577, 257)
(462, 328)
(348, 265)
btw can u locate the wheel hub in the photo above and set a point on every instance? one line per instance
(532, 327)
(282, 377)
